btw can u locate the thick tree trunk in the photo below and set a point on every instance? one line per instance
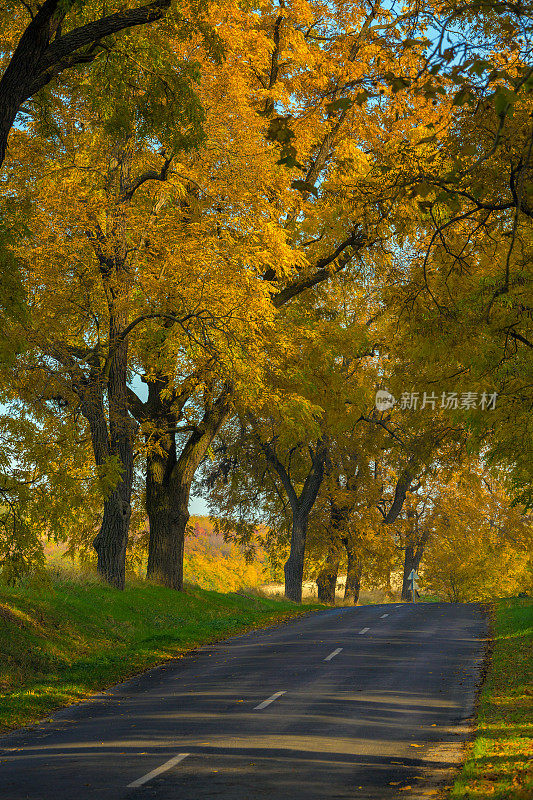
(408, 565)
(301, 506)
(294, 566)
(18, 75)
(167, 506)
(412, 558)
(327, 578)
(112, 539)
(169, 476)
(8, 112)
(353, 576)
(166, 546)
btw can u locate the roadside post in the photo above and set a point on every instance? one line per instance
(413, 577)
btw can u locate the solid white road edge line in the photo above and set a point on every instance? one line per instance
(269, 700)
(155, 772)
(364, 630)
(332, 655)
(384, 615)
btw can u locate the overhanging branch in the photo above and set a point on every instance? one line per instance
(343, 254)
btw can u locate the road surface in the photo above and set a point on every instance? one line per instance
(346, 703)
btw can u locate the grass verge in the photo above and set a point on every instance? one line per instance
(67, 639)
(497, 767)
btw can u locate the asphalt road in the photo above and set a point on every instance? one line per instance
(346, 703)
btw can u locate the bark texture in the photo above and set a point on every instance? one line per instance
(169, 474)
(327, 578)
(294, 566)
(353, 575)
(111, 438)
(411, 560)
(412, 557)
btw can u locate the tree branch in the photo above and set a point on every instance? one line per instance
(322, 271)
(402, 487)
(149, 175)
(520, 338)
(274, 461)
(95, 31)
(137, 408)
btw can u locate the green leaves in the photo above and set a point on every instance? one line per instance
(153, 93)
(397, 83)
(343, 104)
(280, 131)
(462, 97)
(504, 100)
(480, 66)
(362, 97)
(109, 474)
(423, 189)
(303, 186)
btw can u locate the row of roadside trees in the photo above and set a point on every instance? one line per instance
(223, 230)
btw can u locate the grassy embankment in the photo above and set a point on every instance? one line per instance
(497, 767)
(67, 639)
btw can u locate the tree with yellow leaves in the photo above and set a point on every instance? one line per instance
(479, 544)
(186, 262)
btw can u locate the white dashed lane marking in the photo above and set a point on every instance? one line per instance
(155, 772)
(332, 655)
(269, 700)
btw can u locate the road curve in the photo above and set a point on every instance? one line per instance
(353, 703)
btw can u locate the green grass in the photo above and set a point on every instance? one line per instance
(497, 767)
(67, 639)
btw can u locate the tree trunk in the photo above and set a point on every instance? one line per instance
(353, 576)
(327, 578)
(167, 505)
(34, 63)
(112, 539)
(169, 476)
(412, 559)
(166, 546)
(301, 506)
(294, 566)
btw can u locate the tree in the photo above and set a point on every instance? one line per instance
(480, 544)
(169, 473)
(47, 487)
(467, 247)
(46, 39)
(301, 504)
(78, 342)
(279, 235)
(311, 229)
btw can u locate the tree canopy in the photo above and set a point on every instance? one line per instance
(226, 232)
